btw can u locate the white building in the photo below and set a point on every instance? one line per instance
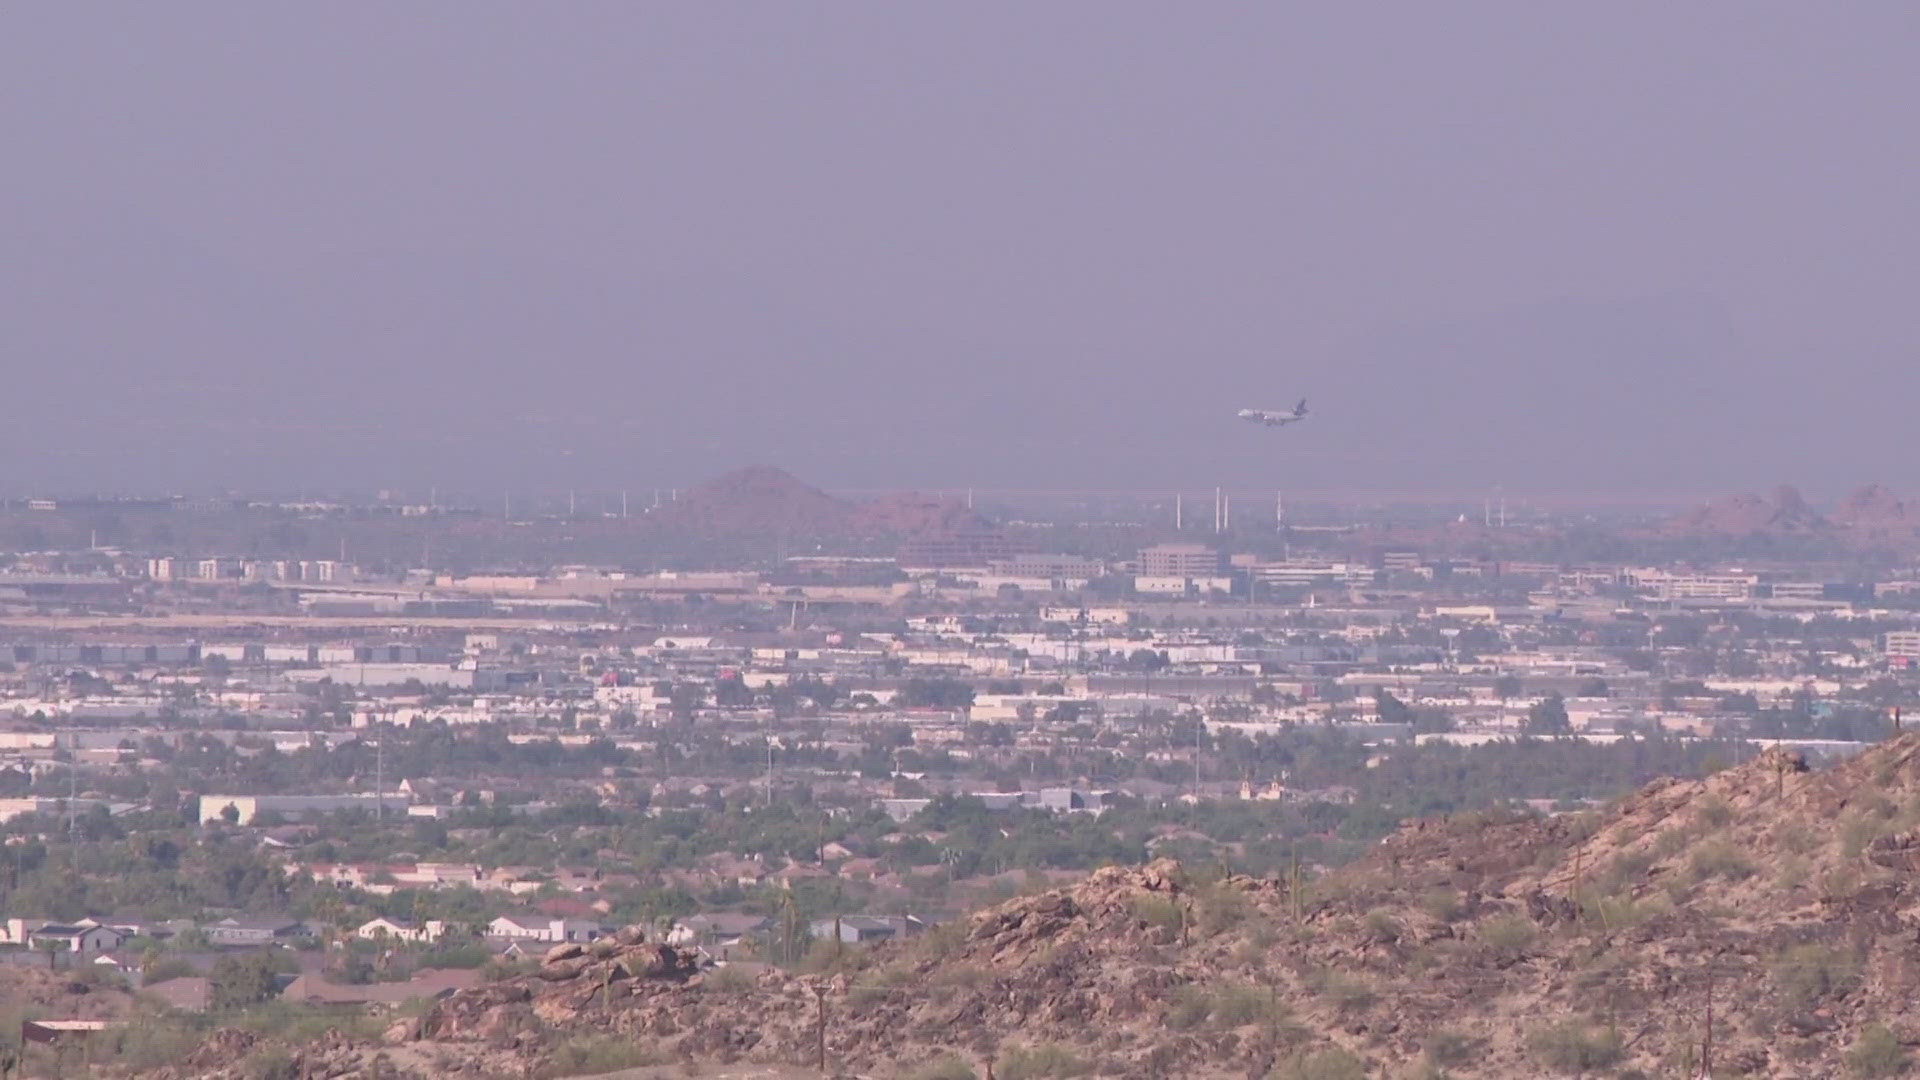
(385, 929)
(533, 928)
(248, 808)
(1903, 647)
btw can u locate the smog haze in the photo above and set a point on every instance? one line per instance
(1641, 248)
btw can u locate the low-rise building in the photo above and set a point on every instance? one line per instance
(543, 929)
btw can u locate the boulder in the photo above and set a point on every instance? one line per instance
(561, 971)
(564, 951)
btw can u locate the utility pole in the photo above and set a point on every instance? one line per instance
(379, 779)
(73, 781)
(1199, 737)
(1176, 512)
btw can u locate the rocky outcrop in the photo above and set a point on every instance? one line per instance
(1505, 943)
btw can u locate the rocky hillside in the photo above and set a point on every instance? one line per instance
(1786, 513)
(1782, 901)
(1869, 517)
(761, 500)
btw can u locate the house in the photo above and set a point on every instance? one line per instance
(17, 931)
(726, 869)
(428, 985)
(534, 928)
(865, 929)
(386, 929)
(717, 932)
(119, 963)
(576, 879)
(234, 931)
(793, 873)
(132, 927)
(189, 993)
(862, 869)
(85, 936)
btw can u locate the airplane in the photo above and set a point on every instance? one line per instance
(1274, 418)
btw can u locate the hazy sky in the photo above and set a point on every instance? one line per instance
(1660, 247)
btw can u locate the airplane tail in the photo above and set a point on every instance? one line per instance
(1300, 409)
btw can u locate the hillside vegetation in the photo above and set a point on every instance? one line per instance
(1781, 901)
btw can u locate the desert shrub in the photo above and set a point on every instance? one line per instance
(149, 1044)
(1793, 873)
(1190, 1008)
(1158, 911)
(1810, 974)
(1841, 882)
(1221, 907)
(1856, 832)
(1795, 837)
(296, 1024)
(1582, 826)
(1344, 992)
(591, 1055)
(825, 956)
(1877, 1053)
(1040, 1062)
(1335, 1063)
(270, 1064)
(1713, 813)
(1573, 1046)
(900, 975)
(727, 980)
(1672, 841)
(1626, 870)
(1382, 926)
(867, 995)
(1248, 953)
(1451, 1048)
(164, 968)
(1242, 1004)
(942, 940)
(1443, 904)
(1509, 935)
(961, 975)
(950, 1067)
(1615, 912)
(1720, 859)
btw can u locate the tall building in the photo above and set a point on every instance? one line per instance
(965, 547)
(1903, 648)
(1181, 560)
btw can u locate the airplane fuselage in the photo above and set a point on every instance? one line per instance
(1272, 417)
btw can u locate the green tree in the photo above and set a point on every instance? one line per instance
(244, 980)
(1391, 709)
(1548, 716)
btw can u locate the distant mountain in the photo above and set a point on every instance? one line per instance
(1875, 515)
(1786, 513)
(758, 499)
(767, 500)
(1869, 516)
